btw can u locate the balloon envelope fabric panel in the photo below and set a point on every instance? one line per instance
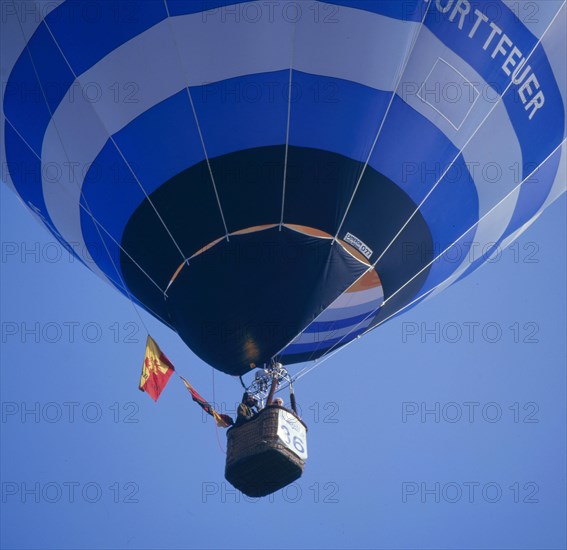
(272, 181)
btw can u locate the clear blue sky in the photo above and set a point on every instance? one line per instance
(96, 464)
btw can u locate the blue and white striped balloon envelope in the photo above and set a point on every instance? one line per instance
(270, 179)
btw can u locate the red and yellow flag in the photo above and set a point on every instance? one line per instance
(222, 420)
(156, 370)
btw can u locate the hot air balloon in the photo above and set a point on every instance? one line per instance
(273, 181)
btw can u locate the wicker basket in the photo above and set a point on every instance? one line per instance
(257, 462)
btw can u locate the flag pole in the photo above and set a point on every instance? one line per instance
(272, 391)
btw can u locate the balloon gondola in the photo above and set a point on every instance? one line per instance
(269, 451)
(259, 462)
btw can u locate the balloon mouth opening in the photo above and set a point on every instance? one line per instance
(303, 229)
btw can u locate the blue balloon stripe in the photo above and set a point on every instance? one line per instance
(160, 143)
(326, 326)
(112, 194)
(103, 251)
(333, 114)
(320, 347)
(36, 86)
(242, 113)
